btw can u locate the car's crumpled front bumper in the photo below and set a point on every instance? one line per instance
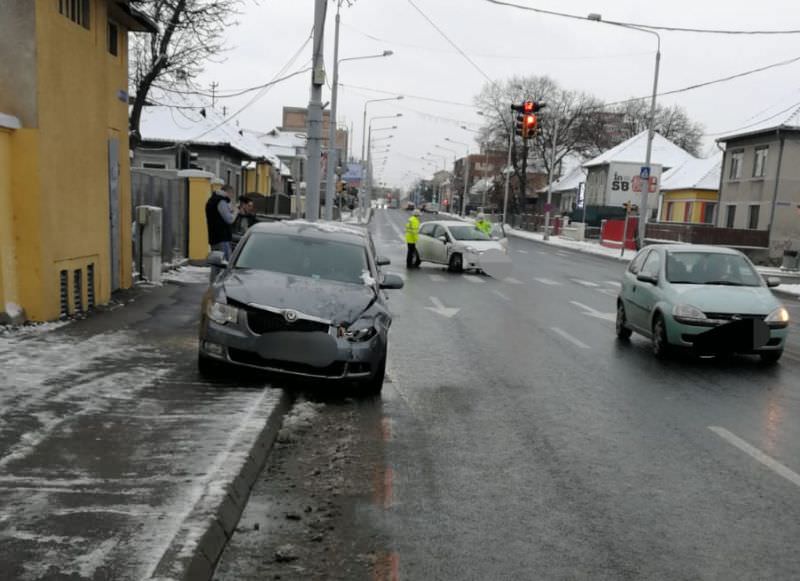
(313, 354)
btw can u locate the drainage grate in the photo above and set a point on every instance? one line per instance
(90, 286)
(64, 294)
(77, 289)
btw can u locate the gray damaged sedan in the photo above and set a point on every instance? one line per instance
(301, 299)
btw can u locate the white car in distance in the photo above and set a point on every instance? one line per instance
(459, 245)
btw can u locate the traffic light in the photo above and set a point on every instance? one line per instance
(529, 124)
(526, 123)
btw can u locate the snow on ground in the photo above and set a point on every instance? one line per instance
(792, 289)
(298, 419)
(188, 274)
(584, 246)
(16, 331)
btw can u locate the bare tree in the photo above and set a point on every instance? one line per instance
(673, 123)
(573, 111)
(190, 33)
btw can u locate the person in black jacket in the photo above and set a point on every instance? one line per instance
(219, 219)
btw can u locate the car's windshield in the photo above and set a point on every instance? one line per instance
(301, 256)
(467, 233)
(713, 268)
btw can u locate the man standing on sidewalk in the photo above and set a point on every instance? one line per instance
(412, 236)
(219, 219)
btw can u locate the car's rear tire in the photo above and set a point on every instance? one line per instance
(623, 332)
(373, 386)
(456, 263)
(661, 347)
(771, 356)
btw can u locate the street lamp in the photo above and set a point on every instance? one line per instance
(329, 189)
(364, 129)
(643, 213)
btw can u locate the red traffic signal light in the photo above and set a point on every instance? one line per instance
(528, 106)
(529, 123)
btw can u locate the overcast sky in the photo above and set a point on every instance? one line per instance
(610, 62)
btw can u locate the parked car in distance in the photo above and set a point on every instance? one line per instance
(431, 208)
(459, 245)
(410, 206)
(706, 298)
(300, 299)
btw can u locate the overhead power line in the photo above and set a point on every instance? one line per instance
(408, 96)
(640, 25)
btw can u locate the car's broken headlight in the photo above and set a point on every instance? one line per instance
(361, 330)
(222, 313)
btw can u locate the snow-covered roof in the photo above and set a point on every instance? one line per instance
(694, 174)
(172, 125)
(481, 186)
(634, 150)
(784, 120)
(570, 181)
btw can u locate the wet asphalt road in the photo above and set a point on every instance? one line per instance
(519, 440)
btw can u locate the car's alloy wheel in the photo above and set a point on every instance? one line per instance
(771, 356)
(661, 347)
(456, 263)
(623, 332)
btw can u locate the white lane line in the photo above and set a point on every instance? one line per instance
(595, 313)
(560, 253)
(541, 252)
(397, 230)
(547, 281)
(512, 280)
(437, 278)
(473, 278)
(757, 454)
(608, 292)
(569, 338)
(501, 295)
(522, 251)
(615, 283)
(585, 282)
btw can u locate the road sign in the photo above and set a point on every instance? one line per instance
(644, 173)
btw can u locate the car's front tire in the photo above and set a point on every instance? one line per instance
(374, 385)
(623, 332)
(771, 356)
(456, 263)
(661, 347)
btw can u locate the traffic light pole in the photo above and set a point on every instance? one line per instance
(315, 115)
(507, 170)
(550, 182)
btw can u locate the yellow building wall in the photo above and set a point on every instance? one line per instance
(262, 185)
(680, 198)
(199, 192)
(65, 161)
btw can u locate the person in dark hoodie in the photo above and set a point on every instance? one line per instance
(220, 216)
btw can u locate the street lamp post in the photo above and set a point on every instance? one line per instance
(369, 156)
(455, 154)
(364, 128)
(332, 161)
(644, 211)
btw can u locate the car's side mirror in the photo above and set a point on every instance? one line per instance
(217, 258)
(647, 278)
(391, 282)
(773, 281)
(444, 239)
(382, 261)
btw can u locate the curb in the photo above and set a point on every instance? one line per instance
(193, 554)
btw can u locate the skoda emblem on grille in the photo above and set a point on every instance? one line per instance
(736, 318)
(290, 316)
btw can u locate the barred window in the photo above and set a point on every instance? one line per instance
(76, 10)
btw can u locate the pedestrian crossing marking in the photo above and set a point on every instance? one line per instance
(522, 251)
(547, 281)
(613, 283)
(501, 295)
(585, 282)
(473, 278)
(437, 278)
(512, 280)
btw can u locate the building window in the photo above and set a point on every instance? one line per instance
(228, 178)
(737, 159)
(730, 216)
(113, 38)
(687, 212)
(752, 217)
(150, 165)
(75, 10)
(760, 166)
(708, 213)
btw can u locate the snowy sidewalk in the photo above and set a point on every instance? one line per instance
(116, 460)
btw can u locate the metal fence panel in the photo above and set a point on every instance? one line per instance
(170, 193)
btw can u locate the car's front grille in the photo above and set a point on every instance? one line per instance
(260, 321)
(733, 316)
(336, 369)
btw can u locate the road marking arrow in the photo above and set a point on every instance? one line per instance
(594, 313)
(440, 309)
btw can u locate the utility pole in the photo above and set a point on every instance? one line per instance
(214, 86)
(315, 114)
(507, 170)
(550, 181)
(333, 160)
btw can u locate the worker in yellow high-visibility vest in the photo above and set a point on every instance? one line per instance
(412, 236)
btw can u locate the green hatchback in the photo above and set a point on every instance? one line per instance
(708, 299)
